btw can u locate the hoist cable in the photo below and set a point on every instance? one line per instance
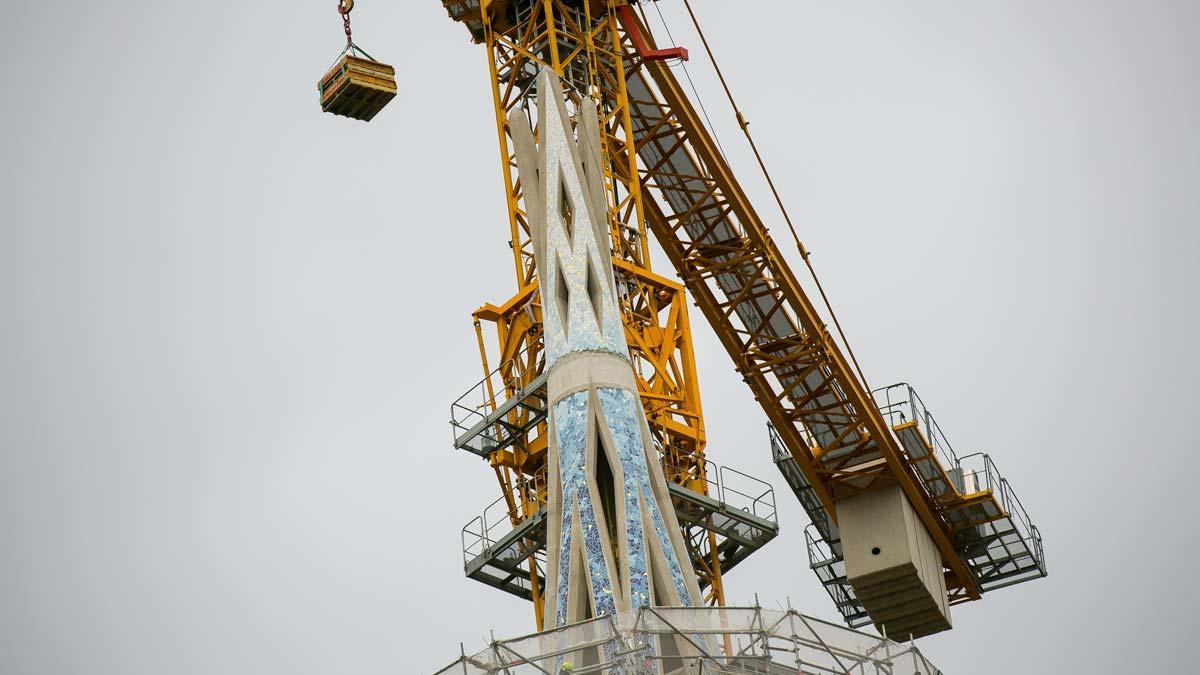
(804, 254)
(695, 92)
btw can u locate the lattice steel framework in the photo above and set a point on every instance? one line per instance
(665, 173)
(582, 42)
(721, 248)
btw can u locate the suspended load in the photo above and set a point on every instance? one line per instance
(357, 85)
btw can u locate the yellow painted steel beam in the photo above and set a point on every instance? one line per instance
(582, 43)
(833, 430)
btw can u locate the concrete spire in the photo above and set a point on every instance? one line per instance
(613, 540)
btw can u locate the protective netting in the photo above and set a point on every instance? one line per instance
(703, 641)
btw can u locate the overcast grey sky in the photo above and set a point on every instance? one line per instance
(233, 325)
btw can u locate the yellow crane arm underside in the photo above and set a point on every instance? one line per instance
(721, 249)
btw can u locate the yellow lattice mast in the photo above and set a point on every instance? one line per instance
(582, 42)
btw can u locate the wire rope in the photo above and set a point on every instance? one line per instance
(695, 92)
(745, 126)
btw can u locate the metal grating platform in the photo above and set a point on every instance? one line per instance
(497, 552)
(993, 532)
(482, 431)
(724, 510)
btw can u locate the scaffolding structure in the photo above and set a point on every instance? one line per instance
(725, 515)
(734, 513)
(717, 640)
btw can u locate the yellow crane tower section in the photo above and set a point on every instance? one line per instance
(583, 43)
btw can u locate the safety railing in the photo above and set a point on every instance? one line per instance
(498, 519)
(725, 484)
(470, 412)
(830, 569)
(1001, 547)
(697, 640)
(731, 487)
(819, 551)
(969, 474)
(745, 492)
(899, 403)
(683, 471)
(988, 477)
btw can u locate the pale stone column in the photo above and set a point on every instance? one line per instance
(613, 540)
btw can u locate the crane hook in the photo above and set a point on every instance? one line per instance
(344, 6)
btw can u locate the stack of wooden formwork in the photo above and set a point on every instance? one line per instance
(357, 87)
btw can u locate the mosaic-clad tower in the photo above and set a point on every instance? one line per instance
(613, 540)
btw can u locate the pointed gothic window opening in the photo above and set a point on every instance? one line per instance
(607, 485)
(588, 613)
(566, 211)
(669, 650)
(584, 602)
(562, 296)
(590, 656)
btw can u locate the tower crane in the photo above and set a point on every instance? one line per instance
(901, 526)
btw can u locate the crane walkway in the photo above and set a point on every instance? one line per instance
(838, 441)
(993, 533)
(488, 426)
(497, 552)
(734, 511)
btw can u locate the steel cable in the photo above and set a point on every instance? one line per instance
(745, 126)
